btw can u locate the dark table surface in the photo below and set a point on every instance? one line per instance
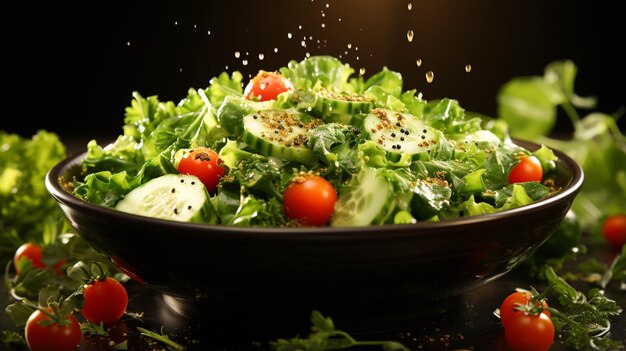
(469, 324)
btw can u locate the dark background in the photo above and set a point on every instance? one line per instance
(71, 67)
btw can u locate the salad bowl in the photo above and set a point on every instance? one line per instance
(391, 273)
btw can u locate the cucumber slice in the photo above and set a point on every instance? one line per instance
(340, 107)
(397, 132)
(370, 201)
(172, 196)
(279, 133)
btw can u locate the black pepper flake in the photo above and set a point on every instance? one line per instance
(175, 211)
(182, 180)
(193, 183)
(402, 130)
(424, 131)
(401, 138)
(393, 147)
(423, 136)
(406, 132)
(393, 135)
(255, 116)
(173, 190)
(398, 146)
(398, 124)
(189, 207)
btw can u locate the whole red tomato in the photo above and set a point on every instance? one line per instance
(310, 199)
(527, 170)
(614, 230)
(205, 164)
(33, 253)
(55, 336)
(105, 301)
(267, 86)
(510, 303)
(529, 332)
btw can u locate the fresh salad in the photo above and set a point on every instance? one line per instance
(310, 144)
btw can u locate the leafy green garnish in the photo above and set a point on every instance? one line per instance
(324, 336)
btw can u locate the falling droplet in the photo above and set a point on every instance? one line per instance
(409, 35)
(300, 27)
(468, 68)
(308, 54)
(362, 71)
(128, 43)
(323, 25)
(289, 35)
(349, 46)
(418, 62)
(430, 76)
(327, 5)
(261, 57)
(237, 54)
(209, 32)
(275, 49)
(409, 6)
(244, 62)
(303, 43)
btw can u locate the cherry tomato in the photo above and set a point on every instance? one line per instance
(33, 253)
(54, 336)
(310, 199)
(266, 86)
(205, 164)
(104, 301)
(508, 306)
(527, 170)
(529, 333)
(614, 230)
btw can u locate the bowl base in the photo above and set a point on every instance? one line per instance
(272, 321)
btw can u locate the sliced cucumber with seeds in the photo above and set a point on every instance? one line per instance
(279, 133)
(172, 196)
(340, 107)
(370, 201)
(397, 132)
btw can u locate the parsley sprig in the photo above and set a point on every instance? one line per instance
(325, 337)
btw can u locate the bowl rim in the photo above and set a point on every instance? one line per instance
(570, 190)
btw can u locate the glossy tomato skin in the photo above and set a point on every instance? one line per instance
(104, 301)
(529, 333)
(614, 230)
(205, 164)
(527, 170)
(509, 304)
(310, 199)
(30, 251)
(267, 86)
(33, 253)
(53, 337)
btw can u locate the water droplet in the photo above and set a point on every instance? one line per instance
(262, 86)
(300, 27)
(303, 43)
(226, 67)
(209, 32)
(418, 62)
(195, 26)
(409, 35)
(128, 43)
(349, 46)
(362, 71)
(180, 70)
(357, 58)
(289, 35)
(345, 52)
(237, 54)
(430, 76)
(327, 5)
(339, 19)
(275, 49)
(323, 14)
(308, 54)
(175, 23)
(409, 6)
(244, 62)
(261, 57)
(323, 25)
(468, 68)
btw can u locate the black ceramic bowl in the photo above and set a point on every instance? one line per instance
(389, 272)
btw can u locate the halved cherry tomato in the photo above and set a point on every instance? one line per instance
(53, 336)
(310, 199)
(33, 253)
(205, 164)
(266, 86)
(527, 170)
(510, 303)
(529, 332)
(105, 301)
(614, 230)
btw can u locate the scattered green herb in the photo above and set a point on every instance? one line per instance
(324, 336)
(161, 337)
